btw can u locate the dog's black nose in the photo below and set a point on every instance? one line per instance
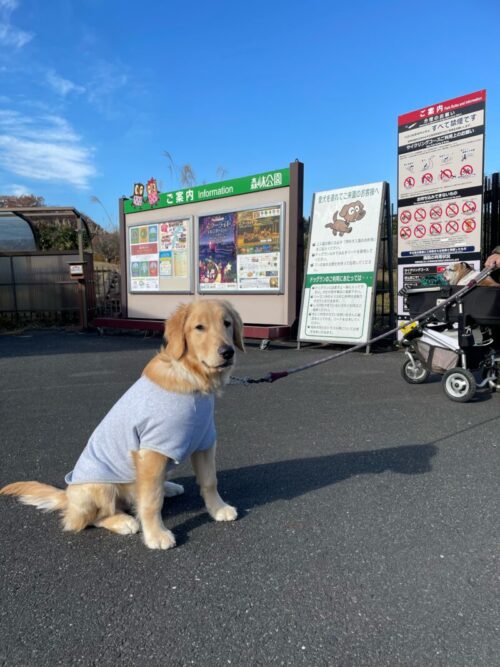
(226, 352)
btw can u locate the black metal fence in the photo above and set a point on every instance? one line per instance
(491, 214)
(107, 292)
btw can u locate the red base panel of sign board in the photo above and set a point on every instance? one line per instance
(126, 323)
(258, 331)
(265, 332)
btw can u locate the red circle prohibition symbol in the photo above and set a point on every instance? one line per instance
(409, 182)
(405, 233)
(436, 212)
(435, 228)
(420, 214)
(452, 227)
(427, 178)
(405, 216)
(469, 206)
(469, 225)
(446, 174)
(467, 170)
(452, 209)
(419, 231)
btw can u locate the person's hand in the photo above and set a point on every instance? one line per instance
(493, 261)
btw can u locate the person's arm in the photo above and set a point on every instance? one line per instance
(493, 260)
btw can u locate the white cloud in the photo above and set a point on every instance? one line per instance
(16, 190)
(9, 34)
(106, 82)
(62, 86)
(44, 148)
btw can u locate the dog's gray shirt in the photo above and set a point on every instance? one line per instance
(145, 417)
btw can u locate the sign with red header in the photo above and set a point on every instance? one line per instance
(458, 104)
(440, 178)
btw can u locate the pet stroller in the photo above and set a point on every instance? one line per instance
(459, 341)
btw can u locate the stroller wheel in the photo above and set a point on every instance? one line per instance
(459, 384)
(414, 371)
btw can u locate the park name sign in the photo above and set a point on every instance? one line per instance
(440, 190)
(340, 282)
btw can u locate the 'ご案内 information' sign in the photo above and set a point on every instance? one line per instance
(440, 188)
(269, 180)
(340, 282)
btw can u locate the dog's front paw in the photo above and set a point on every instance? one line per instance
(172, 489)
(225, 513)
(163, 539)
(128, 526)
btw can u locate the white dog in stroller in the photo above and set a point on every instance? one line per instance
(461, 273)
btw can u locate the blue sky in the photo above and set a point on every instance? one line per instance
(93, 92)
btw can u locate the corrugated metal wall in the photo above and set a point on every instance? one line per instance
(38, 283)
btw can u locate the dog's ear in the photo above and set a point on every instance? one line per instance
(344, 211)
(362, 210)
(237, 326)
(466, 265)
(175, 333)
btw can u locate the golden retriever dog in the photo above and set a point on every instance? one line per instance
(166, 416)
(461, 273)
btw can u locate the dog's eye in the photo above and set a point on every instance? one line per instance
(200, 327)
(227, 324)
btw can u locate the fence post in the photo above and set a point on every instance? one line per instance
(495, 213)
(82, 290)
(14, 286)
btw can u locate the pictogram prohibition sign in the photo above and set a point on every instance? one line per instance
(469, 225)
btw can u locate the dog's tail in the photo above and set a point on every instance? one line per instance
(43, 496)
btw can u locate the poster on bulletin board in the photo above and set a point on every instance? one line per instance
(241, 251)
(160, 256)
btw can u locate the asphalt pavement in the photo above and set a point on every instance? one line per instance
(368, 529)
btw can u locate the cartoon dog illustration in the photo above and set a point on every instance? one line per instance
(351, 212)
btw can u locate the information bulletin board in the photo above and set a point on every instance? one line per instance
(236, 239)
